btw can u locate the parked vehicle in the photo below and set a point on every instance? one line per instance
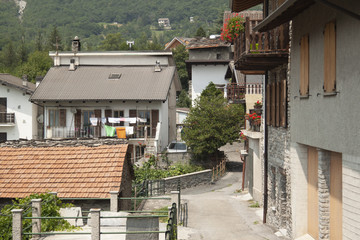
(176, 147)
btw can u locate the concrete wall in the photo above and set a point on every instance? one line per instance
(18, 103)
(172, 112)
(210, 53)
(188, 180)
(202, 75)
(327, 122)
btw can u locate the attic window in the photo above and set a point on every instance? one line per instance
(114, 76)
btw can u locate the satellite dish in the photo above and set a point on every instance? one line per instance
(40, 119)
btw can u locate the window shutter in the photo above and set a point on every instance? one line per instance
(108, 113)
(272, 106)
(277, 105)
(283, 103)
(154, 121)
(62, 117)
(97, 113)
(268, 102)
(132, 113)
(330, 58)
(304, 66)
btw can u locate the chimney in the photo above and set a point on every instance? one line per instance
(157, 66)
(72, 66)
(24, 80)
(38, 80)
(76, 46)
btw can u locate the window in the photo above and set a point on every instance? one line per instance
(57, 118)
(3, 136)
(304, 66)
(330, 58)
(152, 118)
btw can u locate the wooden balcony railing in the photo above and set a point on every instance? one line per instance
(273, 43)
(8, 118)
(235, 92)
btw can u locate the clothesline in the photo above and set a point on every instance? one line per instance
(94, 121)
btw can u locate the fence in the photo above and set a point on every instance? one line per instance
(18, 231)
(219, 170)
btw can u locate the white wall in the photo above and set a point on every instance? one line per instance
(18, 103)
(202, 75)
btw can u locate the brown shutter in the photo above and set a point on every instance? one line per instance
(62, 113)
(268, 104)
(283, 101)
(304, 66)
(108, 113)
(77, 122)
(273, 103)
(97, 113)
(277, 104)
(132, 113)
(154, 121)
(330, 58)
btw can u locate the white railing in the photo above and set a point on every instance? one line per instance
(253, 88)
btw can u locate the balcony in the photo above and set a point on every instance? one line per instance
(256, 52)
(235, 92)
(7, 119)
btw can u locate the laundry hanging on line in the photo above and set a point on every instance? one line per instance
(94, 121)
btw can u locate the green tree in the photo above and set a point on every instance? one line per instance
(37, 65)
(54, 40)
(212, 122)
(9, 57)
(183, 100)
(180, 55)
(200, 32)
(113, 42)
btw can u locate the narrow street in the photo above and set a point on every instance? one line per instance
(221, 211)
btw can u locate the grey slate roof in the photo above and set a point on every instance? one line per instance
(10, 80)
(93, 83)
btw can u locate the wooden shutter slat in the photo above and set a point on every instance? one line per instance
(273, 99)
(283, 100)
(268, 102)
(304, 66)
(108, 113)
(277, 105)
(330, 58)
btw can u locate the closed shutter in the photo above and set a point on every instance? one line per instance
(154, 121)
(277, 105)
(77, 122)
(283, 103)
(268, 104)
(273, 103)
(132, 113)
(304, 66)
(97, 113)
(330, 58)
(62, 117)
(108, 113)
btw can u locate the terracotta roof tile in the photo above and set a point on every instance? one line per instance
(73, 172)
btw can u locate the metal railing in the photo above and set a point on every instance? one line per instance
(7, 117)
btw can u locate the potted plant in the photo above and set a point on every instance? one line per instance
(258, 104)
(232, 28)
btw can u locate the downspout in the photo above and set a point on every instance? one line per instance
(265, 158)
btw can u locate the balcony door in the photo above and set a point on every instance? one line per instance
(3, 110)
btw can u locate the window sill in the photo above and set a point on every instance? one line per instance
(330, 94)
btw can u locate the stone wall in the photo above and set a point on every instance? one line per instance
(188, 180)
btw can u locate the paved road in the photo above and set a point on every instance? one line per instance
(220, 211)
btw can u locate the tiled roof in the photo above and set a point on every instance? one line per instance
(206, 43)
(72, 172)
(7, 79)
(93, 83)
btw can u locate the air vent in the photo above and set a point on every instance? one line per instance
(114, 76)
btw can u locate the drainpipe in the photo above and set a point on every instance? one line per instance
(265, 157)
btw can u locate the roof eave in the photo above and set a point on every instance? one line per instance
(241, 5)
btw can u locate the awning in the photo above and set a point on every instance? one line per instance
(241, 5)
(287, 11)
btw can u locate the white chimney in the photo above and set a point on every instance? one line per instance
(24, 80)
(72, 66)
(157, 66)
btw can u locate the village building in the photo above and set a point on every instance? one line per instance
(90, 94)
(78, 170)
(19, 118)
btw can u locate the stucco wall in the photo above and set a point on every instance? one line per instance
(18, 103)
(327, 122)
(202, 75)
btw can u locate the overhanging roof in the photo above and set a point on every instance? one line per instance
(93, 83)
(287, 11)
(241, 5)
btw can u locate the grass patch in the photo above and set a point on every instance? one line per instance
(256, 222)
(162, 219)
(254, 205)
(238, 191)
